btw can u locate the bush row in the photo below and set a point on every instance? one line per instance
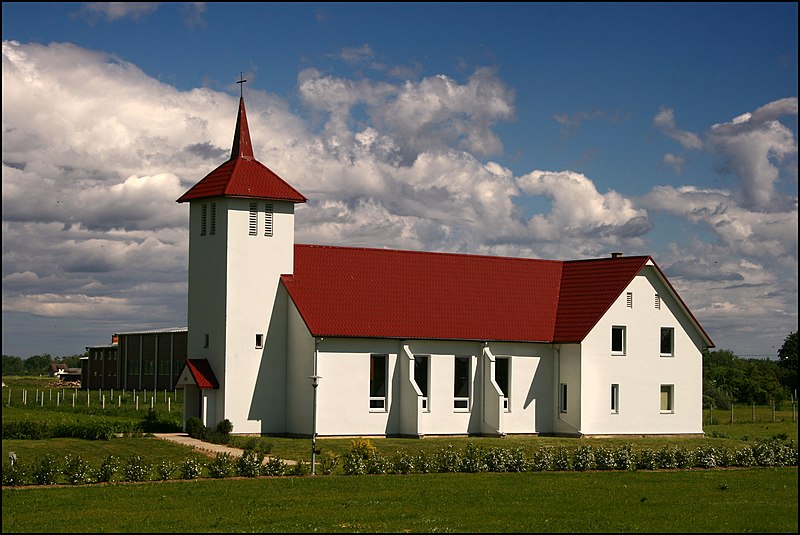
(99, 428)
(363, 458)
(74, 470)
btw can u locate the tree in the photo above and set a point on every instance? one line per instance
(13, 365)
(38, 364)
(787, 360)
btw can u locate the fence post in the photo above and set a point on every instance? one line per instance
(104, 402)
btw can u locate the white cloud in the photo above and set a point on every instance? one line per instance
(665, 121)
(752, 146)
(113, 11)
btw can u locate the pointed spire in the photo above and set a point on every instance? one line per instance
(242, 147)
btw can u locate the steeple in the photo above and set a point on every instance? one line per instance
(242, 175)
(242, 147)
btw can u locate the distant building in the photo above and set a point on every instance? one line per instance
(138, 360)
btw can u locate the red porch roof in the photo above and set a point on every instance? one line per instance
(202, 373)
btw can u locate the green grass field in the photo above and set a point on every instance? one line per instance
(696, 500)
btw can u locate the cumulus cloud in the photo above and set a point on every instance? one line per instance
(752, 146)
(665, 121)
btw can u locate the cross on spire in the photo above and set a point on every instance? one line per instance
(241, 84)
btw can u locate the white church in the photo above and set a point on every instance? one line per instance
(295, 339)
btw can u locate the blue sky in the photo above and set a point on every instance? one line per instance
(522, 129)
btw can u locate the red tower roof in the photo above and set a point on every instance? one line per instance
(242, 175)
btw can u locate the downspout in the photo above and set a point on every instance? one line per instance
(490, 389)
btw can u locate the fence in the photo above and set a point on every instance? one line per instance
(62, 396)
(753, 413)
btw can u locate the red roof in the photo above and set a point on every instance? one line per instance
(362, 292)
(242, 175)
(202, 373)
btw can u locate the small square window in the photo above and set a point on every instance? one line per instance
(259, 341)
(667, 398)
(562, 397)
(205, 341)
(618, 340)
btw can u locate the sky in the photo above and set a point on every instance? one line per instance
(540, 130)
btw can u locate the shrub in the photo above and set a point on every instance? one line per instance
(136, 469)
(562, 459)
(583, 458)
(472, 459)
(195, 428)
(423, 463)
(277, 467)
(403, 463)
(192, 468)
(249, 464)
(542, 460)
(222, 466)
(76, 470)
(224, 427)
(46, 472)
(301, 468)
(15, 474)
(624, 459)
(165, 469)
(646, 460)
(604, 458)
(447, 459)
(108, 468)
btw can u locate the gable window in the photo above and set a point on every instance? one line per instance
(421, 377)
(501, 368)
(461, 383)
(667, 398)
(259, 341)
(253, 226)
(562, 397)
(615, 398)
(667, 341)
(203, 218)
(268, 219)
(377, 382)
(618, 340)
(630, 299)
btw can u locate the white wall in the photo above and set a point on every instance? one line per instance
(343, 392)
(641, 371)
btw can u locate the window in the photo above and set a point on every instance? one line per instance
(667, 395)
(658, 302)
(163, 367)
(501, 367)
(562, 397)
(421, 377)
(630, 299)
(615, 398)
(259, 341)
(148, 367)
(667, 341)
(377, 382)
(461, 383)
(203, 218)
(253, 227)
(268, 219)
(133, 367)
(213, 222)
(205, 340)
(618, 340)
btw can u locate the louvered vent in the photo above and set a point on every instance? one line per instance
(213, 222)
(268, 219)
(630, 299)
(658, 302)
(253, 219)
(203, 218)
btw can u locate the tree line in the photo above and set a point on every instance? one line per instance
(729, 379)
(37, 364)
